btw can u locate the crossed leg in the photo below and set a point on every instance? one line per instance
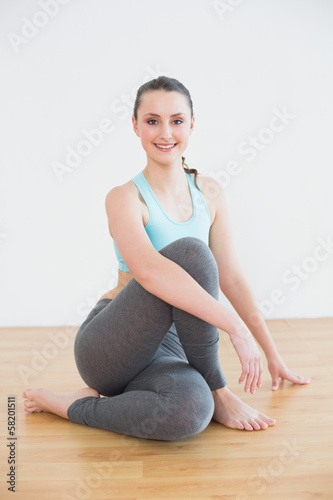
(119, 343)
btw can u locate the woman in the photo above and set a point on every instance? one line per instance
(150, 345)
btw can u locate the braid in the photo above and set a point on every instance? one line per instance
(190, 171)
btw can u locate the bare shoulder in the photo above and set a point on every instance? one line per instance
(208, 183)
(122, 195)
(212, 191)
(126, 189)
(123, 199)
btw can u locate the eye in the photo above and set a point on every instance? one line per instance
(151, 120)
(181, 121)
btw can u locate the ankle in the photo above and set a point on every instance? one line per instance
(220, 390)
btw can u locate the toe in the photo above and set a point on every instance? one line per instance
(268, 420)
(256, 426)
(247, 426)
(262, 424)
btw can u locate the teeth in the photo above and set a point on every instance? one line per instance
(165, 147)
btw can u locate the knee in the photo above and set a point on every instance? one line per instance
(189, 244)
(189, 413)
(196, 413)
(192, 254)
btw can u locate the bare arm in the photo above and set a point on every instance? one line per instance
(241, 297)
(232, 281)
(157, 274)
(235, 287)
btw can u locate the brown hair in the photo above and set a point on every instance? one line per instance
(169, 85)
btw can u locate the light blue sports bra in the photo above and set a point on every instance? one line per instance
(160, 228)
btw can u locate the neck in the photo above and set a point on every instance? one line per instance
(166, 178)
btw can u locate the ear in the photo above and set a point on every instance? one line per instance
(135, 126)
(192, 124)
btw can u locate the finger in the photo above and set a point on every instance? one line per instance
(297, 379)
(245, 370)
(255, 377)
(249, 377)
(275, 383)
(260, 374)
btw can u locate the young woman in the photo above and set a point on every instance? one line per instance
(150, 345)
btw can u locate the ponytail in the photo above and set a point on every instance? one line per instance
(190, 171)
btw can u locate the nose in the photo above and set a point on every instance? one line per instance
(165, 132)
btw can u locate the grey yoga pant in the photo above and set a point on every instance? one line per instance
(155, 364)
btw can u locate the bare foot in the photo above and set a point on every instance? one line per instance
(232, 412)
(38, 400)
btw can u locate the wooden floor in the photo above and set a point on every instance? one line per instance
(57, 459)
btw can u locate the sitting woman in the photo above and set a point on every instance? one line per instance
(150, 345)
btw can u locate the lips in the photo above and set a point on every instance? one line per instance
(165, 147)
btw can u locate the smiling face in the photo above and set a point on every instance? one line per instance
(164, 125)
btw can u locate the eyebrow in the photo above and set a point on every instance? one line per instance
(154, 114)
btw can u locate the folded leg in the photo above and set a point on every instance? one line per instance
(169, 400)
(121, 337)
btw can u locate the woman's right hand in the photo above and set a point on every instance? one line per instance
(249, 355)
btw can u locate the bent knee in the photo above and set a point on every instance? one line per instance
(195, 415)
(190, 252)
(190, 243)
(179, 417)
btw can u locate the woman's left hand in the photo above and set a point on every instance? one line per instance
(279, 370)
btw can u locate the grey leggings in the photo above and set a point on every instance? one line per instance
(155, 364)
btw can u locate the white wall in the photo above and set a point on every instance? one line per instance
(243, 62)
